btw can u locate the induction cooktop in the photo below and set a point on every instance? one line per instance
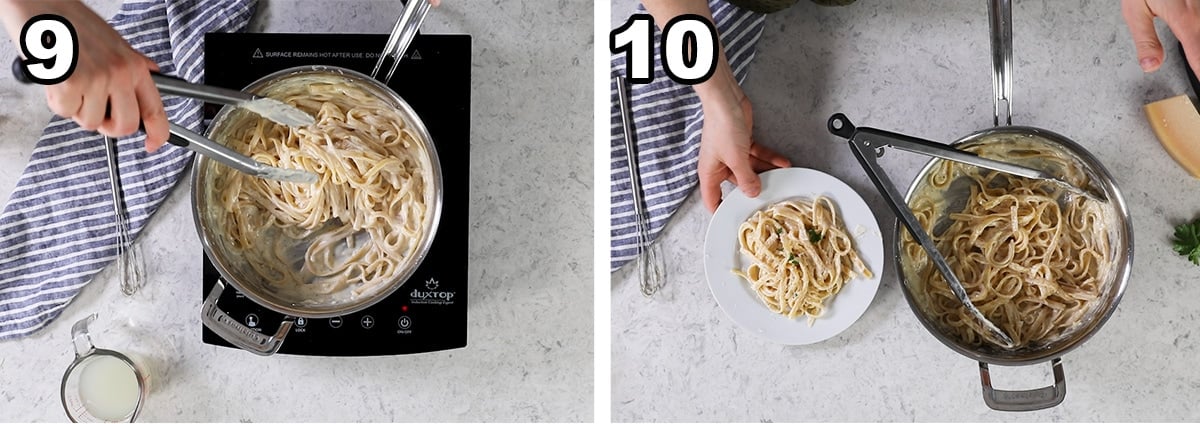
(429, 312)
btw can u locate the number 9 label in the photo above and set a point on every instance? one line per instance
(50, 47)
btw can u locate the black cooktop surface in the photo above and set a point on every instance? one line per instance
(428, 313)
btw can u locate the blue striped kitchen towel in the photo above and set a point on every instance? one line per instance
(58, 227)
(668, 118)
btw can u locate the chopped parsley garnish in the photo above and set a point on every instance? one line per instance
(814, 236)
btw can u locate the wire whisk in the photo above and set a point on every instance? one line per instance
(651, 271)
(131, 269)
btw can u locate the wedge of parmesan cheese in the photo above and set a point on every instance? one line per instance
(1177, 125)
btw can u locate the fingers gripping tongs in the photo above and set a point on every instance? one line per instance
(181, 136)
(868, 145)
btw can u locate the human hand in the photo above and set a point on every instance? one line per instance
(110, 90)
(728, 151)
(1182, 16)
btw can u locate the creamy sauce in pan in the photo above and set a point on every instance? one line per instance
(1035, 257)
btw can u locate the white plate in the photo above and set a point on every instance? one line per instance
(734, 295)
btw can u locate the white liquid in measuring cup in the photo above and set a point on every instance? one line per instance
(108, 388)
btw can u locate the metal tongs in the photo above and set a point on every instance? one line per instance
(266, 107)
(868, 145)
(402, 35)
(188, 139)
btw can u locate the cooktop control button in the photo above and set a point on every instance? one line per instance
(335, 322)
(252, 320)
(404, 322)
(367, 322)
(301, 322)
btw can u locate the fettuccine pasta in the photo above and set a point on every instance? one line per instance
(801, 256)
(361, 223)
(1033, 258)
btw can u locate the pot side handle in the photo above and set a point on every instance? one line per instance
(1024, 400)
(237, 334)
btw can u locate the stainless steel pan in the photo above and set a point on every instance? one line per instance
(1102, 186)
(1000, 18)
(236, 272)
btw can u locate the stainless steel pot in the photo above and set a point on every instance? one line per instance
(1122, 249)
(1000, 13)
(234, 271)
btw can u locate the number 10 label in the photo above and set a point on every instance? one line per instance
(688, 48)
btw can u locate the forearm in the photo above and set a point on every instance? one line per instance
(721, 88)
(14, 13)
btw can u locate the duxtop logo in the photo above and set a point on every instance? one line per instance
(431, 295)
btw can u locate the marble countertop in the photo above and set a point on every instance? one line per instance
(923, 68)
(518, 366)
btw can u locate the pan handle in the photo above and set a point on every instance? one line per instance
(234, 332)
(1000, 26)
(1024, 400)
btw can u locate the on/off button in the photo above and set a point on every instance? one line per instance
(404, 322)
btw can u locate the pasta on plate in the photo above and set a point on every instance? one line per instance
(800, 254)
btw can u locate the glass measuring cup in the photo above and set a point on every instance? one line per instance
(102, 385)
